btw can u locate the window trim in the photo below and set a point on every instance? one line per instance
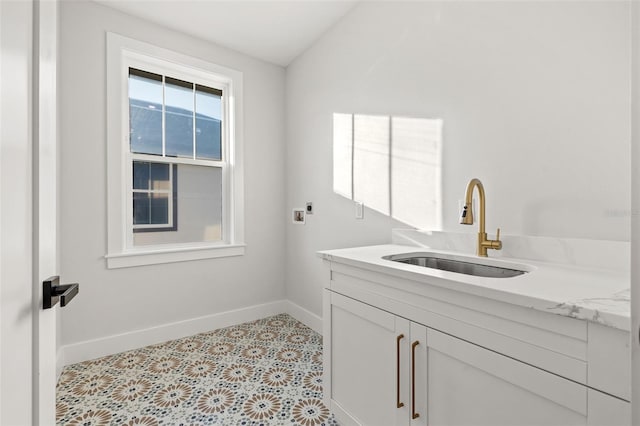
(123, 53)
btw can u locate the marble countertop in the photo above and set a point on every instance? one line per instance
(599, 294)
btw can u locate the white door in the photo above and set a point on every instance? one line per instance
(45, 208)
(16, 271)
(28, 211)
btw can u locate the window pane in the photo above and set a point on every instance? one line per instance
(159, 176)
(179, 119)
(208, 129)
(159, 209)
(197, 209)
(141, 208)
(145, 115)
(140, 175)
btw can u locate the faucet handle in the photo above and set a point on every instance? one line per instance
(496, 244)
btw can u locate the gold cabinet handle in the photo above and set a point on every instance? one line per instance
(414, 415)
(398, 403)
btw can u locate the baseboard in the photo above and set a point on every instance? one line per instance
(342, 416)
(110, 345)
(92, 349)
(306, 317)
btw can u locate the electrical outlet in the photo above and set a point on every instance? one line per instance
(359, 210)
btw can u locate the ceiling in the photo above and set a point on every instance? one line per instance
(274, 31)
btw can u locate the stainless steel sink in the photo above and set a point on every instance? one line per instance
(457, 266)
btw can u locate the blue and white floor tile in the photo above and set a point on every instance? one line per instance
(266, 372)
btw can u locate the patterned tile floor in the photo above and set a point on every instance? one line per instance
(266, 372)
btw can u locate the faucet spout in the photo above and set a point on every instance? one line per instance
(466, 218)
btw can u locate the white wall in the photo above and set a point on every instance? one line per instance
(534, 98)
(129, 299)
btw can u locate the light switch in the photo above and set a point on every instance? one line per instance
(359, 210)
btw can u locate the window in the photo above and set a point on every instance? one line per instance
(171, 118)
(155, 202)
(174, 164)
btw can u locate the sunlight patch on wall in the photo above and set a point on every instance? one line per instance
(391, 164)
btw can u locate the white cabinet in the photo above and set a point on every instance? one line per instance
(470, 385)
(363, 359)
(383, 369)
(605, 410)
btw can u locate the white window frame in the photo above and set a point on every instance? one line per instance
(124, 53)
(169, 192)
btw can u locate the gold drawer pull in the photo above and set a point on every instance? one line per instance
(398, 403)
(414, 415)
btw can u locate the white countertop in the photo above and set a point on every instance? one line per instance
(595, 294)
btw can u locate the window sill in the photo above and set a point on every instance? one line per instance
(154, 256)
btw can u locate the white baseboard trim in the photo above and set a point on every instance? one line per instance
(91, 349)
(306, 317)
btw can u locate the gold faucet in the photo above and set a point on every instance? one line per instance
(466, 218)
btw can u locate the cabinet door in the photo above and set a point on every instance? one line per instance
(361, 382)
(470, 385)
(417, 381)
(607, 410)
